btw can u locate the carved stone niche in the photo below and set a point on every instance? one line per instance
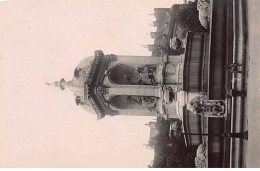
(102, 90)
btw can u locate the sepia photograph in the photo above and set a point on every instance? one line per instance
(129, 84)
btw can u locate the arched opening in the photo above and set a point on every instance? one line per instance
(125, 102)
(134, 102)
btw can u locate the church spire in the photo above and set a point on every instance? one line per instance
(62, 84)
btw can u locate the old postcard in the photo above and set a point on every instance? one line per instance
(129, 83)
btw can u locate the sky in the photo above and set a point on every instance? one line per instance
(44, 40)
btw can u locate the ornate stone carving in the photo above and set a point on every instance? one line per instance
(102, 90)
(207, 108)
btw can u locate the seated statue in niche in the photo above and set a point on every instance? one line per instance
(200, 105)
(146, 101)
(142, 76)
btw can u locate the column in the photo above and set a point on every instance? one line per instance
(137, 112)
(146, 60)
(136, 90)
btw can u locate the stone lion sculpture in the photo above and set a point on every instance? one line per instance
(203, 7)
(201, 156)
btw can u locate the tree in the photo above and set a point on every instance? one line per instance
(188, 19)
(171, 152)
